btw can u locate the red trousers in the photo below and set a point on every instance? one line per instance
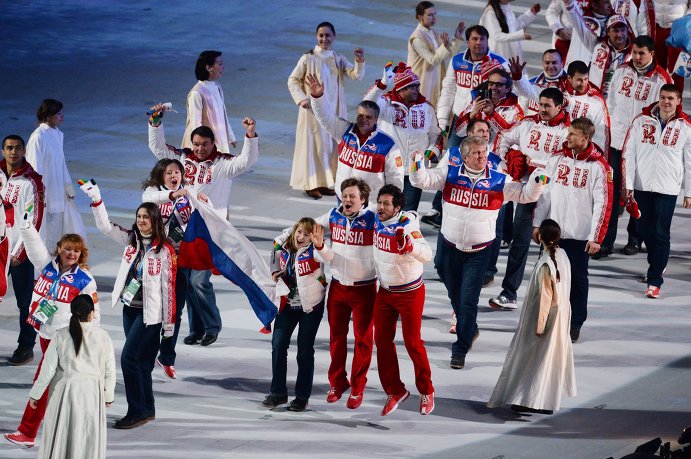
(344, 300)
(32, 417)
(666, 56)
(387, 308)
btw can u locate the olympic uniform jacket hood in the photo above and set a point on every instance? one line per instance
(24, 186)
(629, 93)
(158, 274)
(471, 208)
(350, 256)
(400, 272)
(309, 273)
(579, 194)
(377, 161)
(214, 175)
(413, 127)
(71, 283)
(462, 76)
(657, 158)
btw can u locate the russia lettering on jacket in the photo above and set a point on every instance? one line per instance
(355, 236)
(43, 284)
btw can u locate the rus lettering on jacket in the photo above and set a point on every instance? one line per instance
(352, 158)
(352, 237)
(467, 198)
(383, 243)
(467, 79)
(305, 267)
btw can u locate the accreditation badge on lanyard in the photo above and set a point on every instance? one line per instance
(136, 283)
(47, 307)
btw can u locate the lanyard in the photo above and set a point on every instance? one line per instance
(140, 262)
(53, 290)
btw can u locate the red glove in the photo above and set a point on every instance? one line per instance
(632, 208)
(516, 164)
(404, 242)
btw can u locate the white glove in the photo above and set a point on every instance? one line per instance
(26, 221)
(387, 76)
(168, 330)
(91, 189)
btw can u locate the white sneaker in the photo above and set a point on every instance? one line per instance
(502, 302)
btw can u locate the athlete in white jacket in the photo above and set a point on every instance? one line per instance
(408, 118)
(579, 199)
(399, 252)
(657, 159)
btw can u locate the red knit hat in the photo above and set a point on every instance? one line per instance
(403, 77)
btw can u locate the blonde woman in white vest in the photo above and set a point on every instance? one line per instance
(316, 156)
(429, 51)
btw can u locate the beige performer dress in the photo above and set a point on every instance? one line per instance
(80, 386)
(428, 59)
(538, 370)
(316, 157)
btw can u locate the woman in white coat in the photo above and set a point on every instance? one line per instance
(316, 157)
(429, 51)
(45, 153)
(538, 368)
(506, 31)
(79, 366)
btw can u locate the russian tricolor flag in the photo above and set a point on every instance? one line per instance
(211, 242)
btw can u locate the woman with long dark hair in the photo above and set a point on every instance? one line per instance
(538, 368)
(166, 188)
(79, 365)
(64, 276)
(145, 285)
(506, 31)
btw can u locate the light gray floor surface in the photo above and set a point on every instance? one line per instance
(109, 61)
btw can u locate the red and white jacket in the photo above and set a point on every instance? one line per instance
(309, 273)
(20, 189)
(471, 207)
(529, 90)
(629, 93)
(591, 105)
(579, 194)
(587, 29)
(536, 139)
(377, 160)
(506, 113)
(413, 127)
(350, 256)
(668, 11)
(606, 59)
(76, 281)
(397, 272)
(158, 275)
(214, 175)
(639, 13)
(657, 158)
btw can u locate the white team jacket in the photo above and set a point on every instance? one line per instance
(657, 159)
(309, 273)
(629, 93)
(412, 128)
(158, 275)
(591, 105)
(668, 11)
(536, 139)
(579, 194)
(212, 176)
(397, 272)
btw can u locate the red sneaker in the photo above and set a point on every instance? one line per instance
(652, 292)
(169, 370)
(426, 404)
(392, 402)
(334, 394)
(355, 400)
(19, 438)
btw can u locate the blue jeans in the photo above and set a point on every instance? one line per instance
(496, 245)
(137, 362)
(634, 232)
(167, 352)
(411, 195)
(285, 324)
(656, 219)
(23, 285)
(463, 274)
(202, 311)
(579, 258)
(615, 164)
(518, 250)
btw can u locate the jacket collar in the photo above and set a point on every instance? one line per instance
(24, 168)
(591, 91)
(653, 110)
(562, 118)
(591, 153)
